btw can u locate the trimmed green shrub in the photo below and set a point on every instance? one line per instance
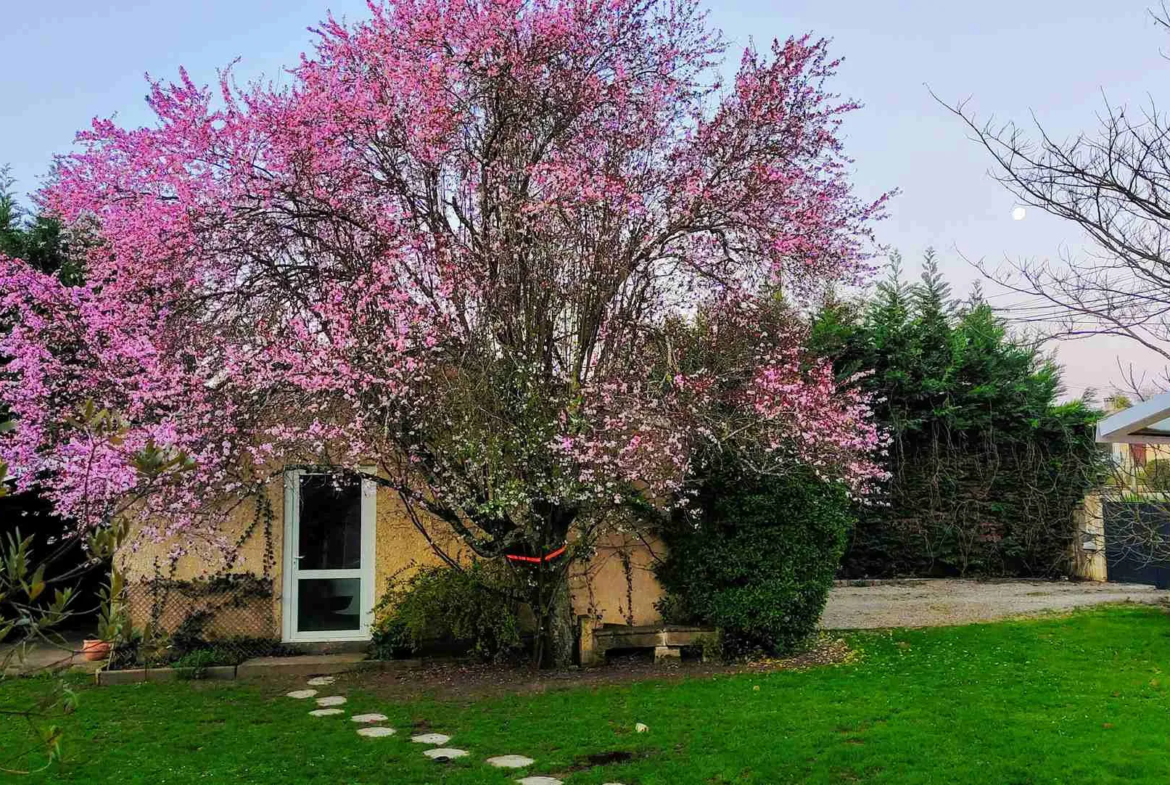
(474, 608)
(757, 560)
(1156, 475)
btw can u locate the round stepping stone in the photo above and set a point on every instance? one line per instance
(444, 754)
(430, 738)
(368, 717)
(510, 761)
(301, 694)
(325, 712)
(539, 781)
(332, 700)
(376, 731)
(321, 681)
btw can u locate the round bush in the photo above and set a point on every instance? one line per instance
(758, 562)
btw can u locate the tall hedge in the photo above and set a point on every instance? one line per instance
(987, 464)
(757, 560)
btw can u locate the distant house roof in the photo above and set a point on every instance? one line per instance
(1146, 423)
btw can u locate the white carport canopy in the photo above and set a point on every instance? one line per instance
(1146, 423)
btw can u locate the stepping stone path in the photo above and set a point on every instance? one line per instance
(325, 712)
(376, 731)
(510, 762)
(440, 753)
(368, 717)
(444, 754)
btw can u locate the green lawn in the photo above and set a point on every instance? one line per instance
(1077, 699)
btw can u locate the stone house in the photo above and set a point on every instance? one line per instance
(309, 563)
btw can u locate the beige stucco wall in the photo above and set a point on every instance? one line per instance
(203, 555)
(618, 585)
(401, 549)
(604, 587)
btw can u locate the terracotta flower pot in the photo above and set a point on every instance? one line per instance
(93, 649)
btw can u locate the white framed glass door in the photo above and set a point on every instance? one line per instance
(328, 556)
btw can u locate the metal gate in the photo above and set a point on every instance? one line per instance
(1137, 541)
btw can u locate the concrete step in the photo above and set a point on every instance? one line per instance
(303, 665)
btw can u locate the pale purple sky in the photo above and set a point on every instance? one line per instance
(71, 60)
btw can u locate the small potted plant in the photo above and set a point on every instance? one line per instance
(94, 649)
(113, 620)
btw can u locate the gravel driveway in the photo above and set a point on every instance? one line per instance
(936, 603)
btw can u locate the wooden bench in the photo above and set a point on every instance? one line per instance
(667, 640)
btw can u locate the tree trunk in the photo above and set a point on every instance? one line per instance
(558, 625)
(555, 632)
(555, 635)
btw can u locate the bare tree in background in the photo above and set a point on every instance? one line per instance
(1113, 182)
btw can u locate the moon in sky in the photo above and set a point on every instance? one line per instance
(1018, 213)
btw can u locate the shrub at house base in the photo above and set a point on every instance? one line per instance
(757, 561)
(474, 609)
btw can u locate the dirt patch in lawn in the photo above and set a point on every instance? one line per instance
(602, 759)
(611, 758)
(461, 680)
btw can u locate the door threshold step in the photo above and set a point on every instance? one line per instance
(301, 665)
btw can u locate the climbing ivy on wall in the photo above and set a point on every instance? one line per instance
(987, 465)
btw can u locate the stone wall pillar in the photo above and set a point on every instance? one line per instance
(588, 646)
(1089, 544)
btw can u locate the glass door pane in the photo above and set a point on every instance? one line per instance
(330, 536)
(329, 604)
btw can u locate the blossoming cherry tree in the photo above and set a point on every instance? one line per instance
(459, 245)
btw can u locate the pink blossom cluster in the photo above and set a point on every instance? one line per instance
(763, 396)
(808, 418)
(73, 346)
